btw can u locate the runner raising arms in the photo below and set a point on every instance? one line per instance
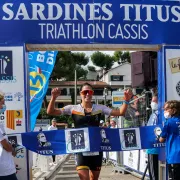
(87, 114)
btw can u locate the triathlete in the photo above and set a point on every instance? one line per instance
(87, 114)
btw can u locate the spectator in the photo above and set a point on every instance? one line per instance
(7, 165)
(153, 153)
(132, 113)
(134, 105)
(104, 125)
(113, 123)
(50, 128)
(101, 124)
(171, 134)
(108, 124)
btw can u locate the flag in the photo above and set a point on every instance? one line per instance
(11, 115)
(38, 70)
(41, 65)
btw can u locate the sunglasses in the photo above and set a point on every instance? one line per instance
(90, 92)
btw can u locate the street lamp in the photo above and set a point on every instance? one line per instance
(105, 93)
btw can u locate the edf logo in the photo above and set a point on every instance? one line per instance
(6, 65)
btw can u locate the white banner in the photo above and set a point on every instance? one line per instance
(173, 74)
(12, 85)
(143, 161)
(131, 159)
(20, 158)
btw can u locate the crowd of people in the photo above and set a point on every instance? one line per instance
(111, 122)
(89, 165)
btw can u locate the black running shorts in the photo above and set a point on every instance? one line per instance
(93, 163)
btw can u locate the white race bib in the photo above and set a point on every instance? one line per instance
(90, 153)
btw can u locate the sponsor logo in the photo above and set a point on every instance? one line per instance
(42, 140)
(18, 96)
(37, 83)
(105, 141)
(157, 133)
(174, 65)
(130, 138)
(6, 67)
(103, 136)
(8, 97)
(13, 140)
(11, 116)
(178, 88)
(77, 140)
(18, 122)
(45, 152)
(20, 152)
(43, 143)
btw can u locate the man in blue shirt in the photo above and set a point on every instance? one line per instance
(171, 134)
(153, 153)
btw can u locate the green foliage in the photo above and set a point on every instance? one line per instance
(66, 63)
(69, 120)
(122, 56)
(117, 55)
(102, 60)
(43, 115)
(91, 68)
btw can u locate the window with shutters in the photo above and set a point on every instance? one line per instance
(116, 78)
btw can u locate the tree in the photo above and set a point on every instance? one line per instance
(91, 68)
(66, 63)
(102, 60)
(63, 118)
(122, 56)
(64, 69)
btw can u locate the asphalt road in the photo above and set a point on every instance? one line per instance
(107, 174)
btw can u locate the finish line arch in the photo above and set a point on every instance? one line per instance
(91, 25)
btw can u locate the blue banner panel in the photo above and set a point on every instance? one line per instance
(92, 139)
(41, 65)
(88, 22)
(46, 142)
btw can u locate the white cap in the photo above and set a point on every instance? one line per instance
(101, 121)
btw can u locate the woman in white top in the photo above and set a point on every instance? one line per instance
(7, 166)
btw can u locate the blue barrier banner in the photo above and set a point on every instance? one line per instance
(92, 139)
(41, 64)
(89, 22)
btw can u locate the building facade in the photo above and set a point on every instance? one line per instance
(68, 89)
(118, 77)
(112, 80)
